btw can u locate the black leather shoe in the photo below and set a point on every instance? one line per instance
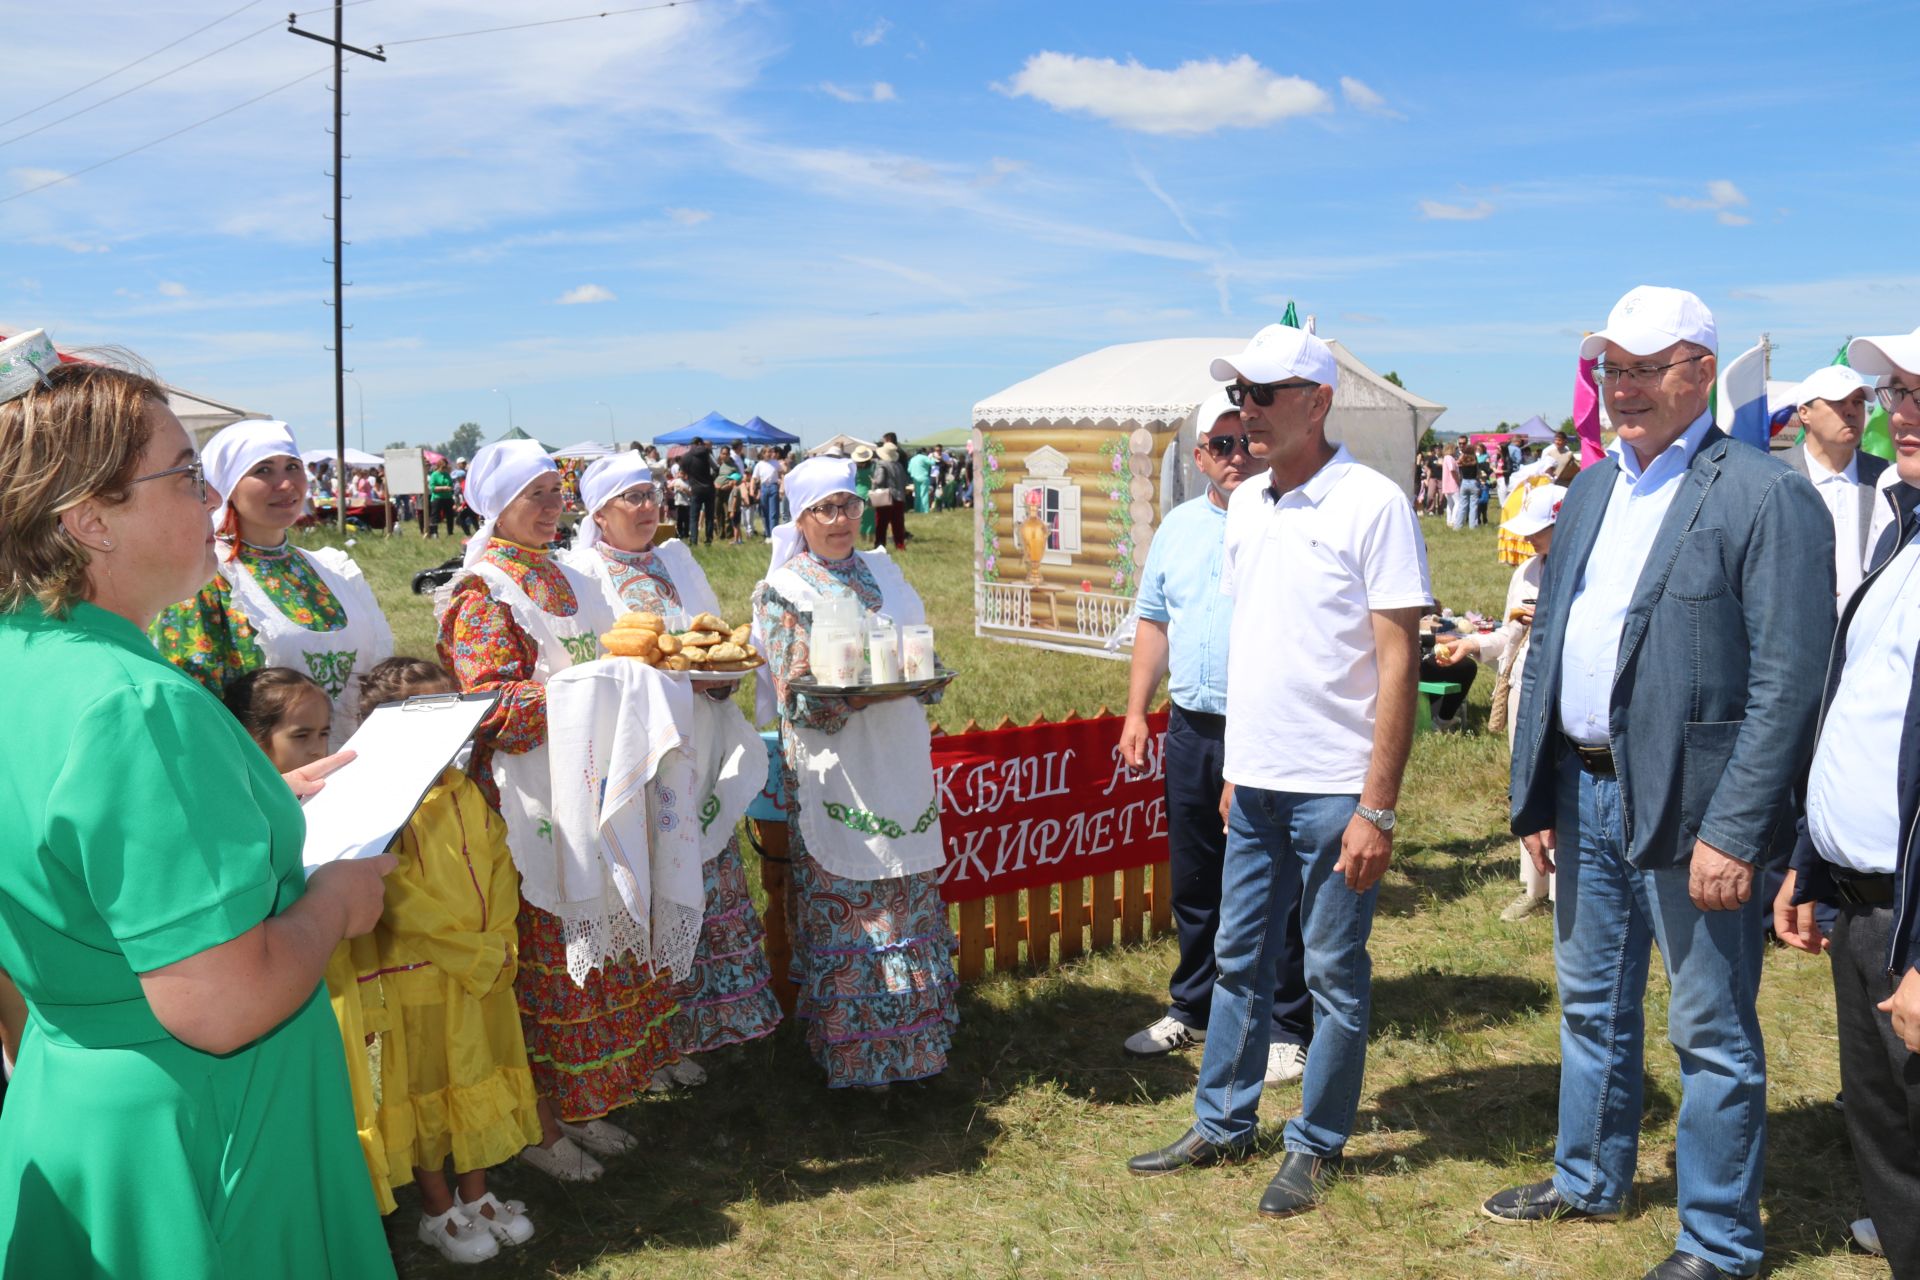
(1687, 1266)
(1191, 1152)
(1538, 1202)
(1299, 1184)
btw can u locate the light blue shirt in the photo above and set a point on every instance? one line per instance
(1181, 587)
(1590, 654)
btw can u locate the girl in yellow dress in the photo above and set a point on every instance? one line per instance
(448, 947)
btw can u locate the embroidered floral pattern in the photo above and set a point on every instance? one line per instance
(331, 670)
(210, 640)
(641, 580)
(873, 824)
(728, 997)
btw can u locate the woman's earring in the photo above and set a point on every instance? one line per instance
(105, 545)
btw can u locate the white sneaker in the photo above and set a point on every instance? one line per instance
(687, 1073)
(505, 1220)
(662, 1082)
(1163, 1036)
(1867, 1236)
(1525, 905)
(457, 1239)
(600, 1137)
(1285, 1061)
(563, 1161)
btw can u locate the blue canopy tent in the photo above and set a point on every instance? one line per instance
(713, 428)
(763, 432)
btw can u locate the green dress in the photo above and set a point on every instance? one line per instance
(138, 826)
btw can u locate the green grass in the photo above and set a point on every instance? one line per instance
(1012, 1164)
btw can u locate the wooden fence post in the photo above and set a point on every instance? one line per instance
(775, 878)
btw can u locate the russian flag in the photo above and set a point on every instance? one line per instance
(1741, 407)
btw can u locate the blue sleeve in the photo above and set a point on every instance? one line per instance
(1151, 599)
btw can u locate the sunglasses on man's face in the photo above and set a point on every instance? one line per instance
(1261, 393)
(1223, 446)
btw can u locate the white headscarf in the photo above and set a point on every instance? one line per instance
(608, 476)
(240, 448)
(806, 484)
(495, 478)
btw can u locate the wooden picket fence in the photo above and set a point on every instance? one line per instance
(1030, 929)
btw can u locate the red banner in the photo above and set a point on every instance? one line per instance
(1047, 803)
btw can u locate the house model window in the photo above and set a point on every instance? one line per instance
(1059, 502)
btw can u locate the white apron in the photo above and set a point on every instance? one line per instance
(337, 660)
(867, 804)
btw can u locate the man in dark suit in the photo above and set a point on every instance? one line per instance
(1667, 708)
(702, 473)
(1831, 406)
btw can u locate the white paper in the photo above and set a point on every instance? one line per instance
(401, 751)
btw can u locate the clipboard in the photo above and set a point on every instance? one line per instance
(401, 750)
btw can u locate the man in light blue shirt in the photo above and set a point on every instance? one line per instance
(1184, 621)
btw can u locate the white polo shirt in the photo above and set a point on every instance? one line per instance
(1307, 570)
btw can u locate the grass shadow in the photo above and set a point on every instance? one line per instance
(1428, 1002)
(1067, 1032)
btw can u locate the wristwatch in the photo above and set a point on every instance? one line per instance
(1381, 818)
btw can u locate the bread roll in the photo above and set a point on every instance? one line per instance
(728, 652)
(641, 622)
(669, 645)
(630, 643)
(710, 622)
(701, 639)
(678, 662)
(740, 633)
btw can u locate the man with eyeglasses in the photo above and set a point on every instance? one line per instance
(1328, 575)
(1184, 623)
(1856, 849)
(1666, 709)
(1831, 407)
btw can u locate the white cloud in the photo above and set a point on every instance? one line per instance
(1440, 211)
(1362, 98)
(28, 176)
(584, 293)
(1722, 199)
(880, 91)
(867, 37)
(172, 289)
(1195, 97)
(689, 217)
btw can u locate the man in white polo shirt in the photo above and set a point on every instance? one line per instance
(1329, 576)
(1831, 406)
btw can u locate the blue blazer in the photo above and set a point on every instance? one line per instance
(1721, 655)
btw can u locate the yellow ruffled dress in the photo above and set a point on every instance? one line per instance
(355, 989)
(449, 949)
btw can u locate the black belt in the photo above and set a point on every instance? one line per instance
(1861, 889)
(1597, 761)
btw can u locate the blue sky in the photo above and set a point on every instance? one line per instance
(859, 216)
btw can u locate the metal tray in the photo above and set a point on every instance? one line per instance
(942, 677)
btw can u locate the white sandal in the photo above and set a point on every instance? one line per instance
(457, 1238)
(687, 1073)
(564, 1162)
(508, 1223)
(600, 1137)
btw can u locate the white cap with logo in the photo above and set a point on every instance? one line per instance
(1539, 509)
(1651, 318)
(1883, 357)
(1277, 353)
(1833, 382)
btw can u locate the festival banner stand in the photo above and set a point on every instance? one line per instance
(1050, 839)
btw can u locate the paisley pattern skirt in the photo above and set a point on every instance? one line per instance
(728, 998)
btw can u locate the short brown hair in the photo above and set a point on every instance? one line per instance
(260, 699)
(77, 438)
(397, 679)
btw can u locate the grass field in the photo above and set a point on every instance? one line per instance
(1013, 1163)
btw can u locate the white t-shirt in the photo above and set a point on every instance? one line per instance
(766, 471)
(1307, 571)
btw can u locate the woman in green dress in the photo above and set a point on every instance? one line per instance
(180, 1106)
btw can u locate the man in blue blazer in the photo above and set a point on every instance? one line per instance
(1666, 712)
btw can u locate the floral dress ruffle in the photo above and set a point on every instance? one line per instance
(592, 1048)
(728, 996)
(213, 642)
(873, 959)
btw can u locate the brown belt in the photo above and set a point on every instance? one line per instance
(1597, 761)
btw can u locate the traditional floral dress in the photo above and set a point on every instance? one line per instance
(728, 997)
(873, 959)
(592, 1048)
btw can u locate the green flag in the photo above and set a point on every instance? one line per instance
(1877, 439)
(1292, 318)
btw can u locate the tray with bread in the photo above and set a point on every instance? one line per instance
(709, 648)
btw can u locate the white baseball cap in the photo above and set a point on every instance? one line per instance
(1651, 318)
(1538, 510)
(1277, 353)
(1881, 357)
(1833, 382)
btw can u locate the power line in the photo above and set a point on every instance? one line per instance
(133, 151)
(7, 142)
(549, 22)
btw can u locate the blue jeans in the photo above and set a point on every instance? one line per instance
(1281, 846)
(769, 509)
(1607, 916)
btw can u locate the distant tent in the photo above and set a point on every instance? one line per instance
(760, 431)
(586, 449)
(1534, 428)
(841, 445)
(356, 459)
(200, 415)
(515, 433)
(713, 428)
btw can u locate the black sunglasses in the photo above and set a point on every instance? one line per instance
(1223, 446)
(1261, 393)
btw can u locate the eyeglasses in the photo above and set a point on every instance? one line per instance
(640, 497)
(193, 469)
(1638, 373)
(1890, 397)
(1261, 393)
(845, 509)
(1223, 446)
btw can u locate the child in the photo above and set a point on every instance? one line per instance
(290, 716)
(449, 949)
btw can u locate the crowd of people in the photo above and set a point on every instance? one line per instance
(424, 1015)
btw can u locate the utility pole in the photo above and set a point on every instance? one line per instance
(378, 53)
(612, 431)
